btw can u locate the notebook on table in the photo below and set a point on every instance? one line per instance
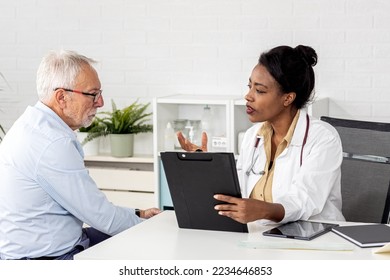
(369, 235)
(193, 179)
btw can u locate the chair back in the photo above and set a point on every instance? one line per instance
(365, 171)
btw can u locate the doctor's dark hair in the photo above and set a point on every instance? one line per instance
(292, 68)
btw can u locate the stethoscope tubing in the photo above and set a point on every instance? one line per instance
(256, 144)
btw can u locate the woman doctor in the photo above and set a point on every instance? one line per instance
(289, 164)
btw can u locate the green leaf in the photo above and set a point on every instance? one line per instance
(129, 120)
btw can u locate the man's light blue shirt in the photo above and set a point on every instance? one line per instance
(46, 193)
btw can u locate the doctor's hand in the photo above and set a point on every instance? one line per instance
(245, 210)
(190, 147)
(148, 213)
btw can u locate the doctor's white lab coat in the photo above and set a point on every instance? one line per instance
(310, 191)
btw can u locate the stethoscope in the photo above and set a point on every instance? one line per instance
(253, 160)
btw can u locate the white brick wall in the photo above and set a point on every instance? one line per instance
(158, 47)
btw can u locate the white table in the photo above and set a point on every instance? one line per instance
(161, 238)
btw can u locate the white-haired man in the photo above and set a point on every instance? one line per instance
(46, 193)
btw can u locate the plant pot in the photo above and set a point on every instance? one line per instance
(90, 148)
(122, 145)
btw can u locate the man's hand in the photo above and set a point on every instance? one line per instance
(148, 213)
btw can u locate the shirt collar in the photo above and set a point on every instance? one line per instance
(267, 130)
(43, 107)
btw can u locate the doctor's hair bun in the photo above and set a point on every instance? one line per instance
(308, 54)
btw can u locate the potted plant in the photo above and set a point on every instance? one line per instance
(87, 139)
(121, 125)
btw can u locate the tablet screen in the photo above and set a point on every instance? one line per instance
(305, 230)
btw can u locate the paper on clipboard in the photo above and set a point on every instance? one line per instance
(382, 250)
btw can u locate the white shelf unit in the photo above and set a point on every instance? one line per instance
(167, 109)
(128, 182)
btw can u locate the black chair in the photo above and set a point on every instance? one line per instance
(365, 171)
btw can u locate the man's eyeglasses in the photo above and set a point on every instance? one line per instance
(95, 95)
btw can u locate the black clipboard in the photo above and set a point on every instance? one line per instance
(193, 179)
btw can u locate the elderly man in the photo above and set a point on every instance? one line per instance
(46, 193)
